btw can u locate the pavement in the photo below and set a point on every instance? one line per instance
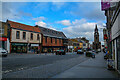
(91, 68)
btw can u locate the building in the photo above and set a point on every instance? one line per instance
(96, 43)
(70, 45)
(75, 44)
(4, 40)
(112, 13)
(52, 40)
(23, 38)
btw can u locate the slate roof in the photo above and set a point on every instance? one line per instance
(52, 33)
(23, 26)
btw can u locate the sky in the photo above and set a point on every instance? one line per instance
(75, 19)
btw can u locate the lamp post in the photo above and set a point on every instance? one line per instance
(28, 44)
(39, 43)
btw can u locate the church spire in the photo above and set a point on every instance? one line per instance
(96, 29)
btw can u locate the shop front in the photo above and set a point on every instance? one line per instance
(19, 47)
(118, 53)
(34, 48)
(51, 49)
(3, 42)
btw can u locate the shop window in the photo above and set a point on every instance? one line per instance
(38, 37)
(31, 36)
(51, 40)
(18, 35)
(24, 35)
(59, 40)
(1, 31)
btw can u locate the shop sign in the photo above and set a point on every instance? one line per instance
(3, 39)
(34, 44)
(105, 4)
(19, 44)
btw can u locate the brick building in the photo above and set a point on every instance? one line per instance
(4, 40)
(23, 38)
(52, 40)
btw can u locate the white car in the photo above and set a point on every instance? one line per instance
(3, 52)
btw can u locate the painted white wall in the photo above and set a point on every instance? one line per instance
(28, 34)
(116, 28)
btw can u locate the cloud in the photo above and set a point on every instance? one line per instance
(39, 18)
(87, 10)
(41, 23)
(12, 11)
(82, 28)
(64, 22)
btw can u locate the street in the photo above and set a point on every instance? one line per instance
(46, 65)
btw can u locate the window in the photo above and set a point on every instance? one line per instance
(24, 35)
(31, 36)
(45, 39)
(38, 37)
(18, 35)
(51, 40)
(56, 41)
(59, 40)
(1, 31)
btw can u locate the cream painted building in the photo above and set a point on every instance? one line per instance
(24, 38)
(28, 37)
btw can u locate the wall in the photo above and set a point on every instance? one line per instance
(53, 42)
(28, 34)
(116, 28)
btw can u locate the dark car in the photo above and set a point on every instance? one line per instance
(90, 54)
(60, 52)
(80, 52)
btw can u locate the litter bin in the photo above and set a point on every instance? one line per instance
(110, 64)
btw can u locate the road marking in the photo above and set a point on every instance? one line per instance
(7, 71)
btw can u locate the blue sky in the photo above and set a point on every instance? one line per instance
(75, 19)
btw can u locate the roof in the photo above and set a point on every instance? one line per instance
(23, 26)
(52, 33)
(74, 40)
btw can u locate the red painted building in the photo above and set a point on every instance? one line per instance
(52, 40)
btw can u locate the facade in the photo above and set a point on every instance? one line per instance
(4, 40)
(96, 43)
(81, 45)
(53, 40)
(113, 33)
(70, 45)
(24, 38)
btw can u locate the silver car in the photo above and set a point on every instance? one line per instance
(3, 52)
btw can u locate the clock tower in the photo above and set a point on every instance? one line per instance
(96, 43)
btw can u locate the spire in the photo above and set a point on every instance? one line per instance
(96, 29)
(96, 26)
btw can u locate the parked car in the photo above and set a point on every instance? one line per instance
(93, 50)
(90, 54)
(80, 52)
(3, 52)
(60, 52)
